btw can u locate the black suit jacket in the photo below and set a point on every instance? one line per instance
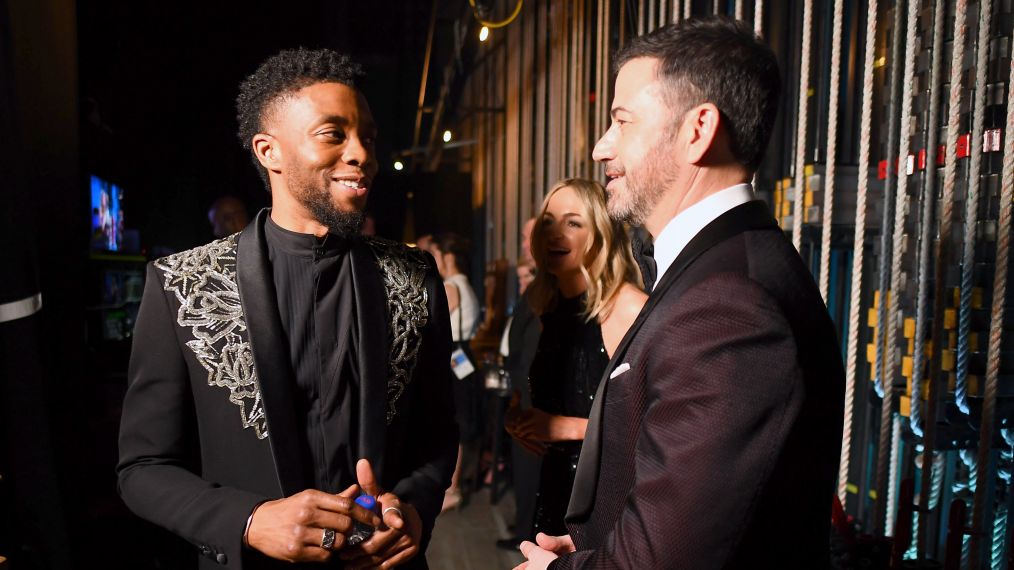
(209, 428)
(718, 448)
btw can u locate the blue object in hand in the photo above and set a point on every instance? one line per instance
(362, 532)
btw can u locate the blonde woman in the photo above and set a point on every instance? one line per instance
(587, 292)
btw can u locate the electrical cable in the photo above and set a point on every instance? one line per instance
(501, 23)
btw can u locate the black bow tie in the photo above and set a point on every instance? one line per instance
(644, 254)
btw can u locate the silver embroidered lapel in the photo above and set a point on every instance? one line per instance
(204, 282)
(404, 273)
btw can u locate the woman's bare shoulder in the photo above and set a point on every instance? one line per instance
(630, 299)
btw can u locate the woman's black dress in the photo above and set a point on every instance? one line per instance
(564, 376)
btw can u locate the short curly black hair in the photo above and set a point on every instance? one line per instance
(280, 75)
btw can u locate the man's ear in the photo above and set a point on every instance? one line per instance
(704, 120)
(268, 151)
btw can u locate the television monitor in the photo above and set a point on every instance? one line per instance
(107, 215)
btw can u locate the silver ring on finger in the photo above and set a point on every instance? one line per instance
(395, 509)
(327, 540)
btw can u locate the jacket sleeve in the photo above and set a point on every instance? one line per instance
(158, 453)
(433, 431)
(722, 390)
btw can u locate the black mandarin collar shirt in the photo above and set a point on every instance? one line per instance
(315, 294)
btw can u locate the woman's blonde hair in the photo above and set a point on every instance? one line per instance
(608, 262)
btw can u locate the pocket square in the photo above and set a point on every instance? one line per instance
(619, 370)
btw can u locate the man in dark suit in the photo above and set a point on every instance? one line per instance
(279, 372)
(522, 338)
(715, 437)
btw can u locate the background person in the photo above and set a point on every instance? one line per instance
(451, 253)
(587, 293)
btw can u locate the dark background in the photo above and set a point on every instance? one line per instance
(142, 94)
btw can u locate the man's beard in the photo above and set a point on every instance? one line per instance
(317, 200)
(646, 183)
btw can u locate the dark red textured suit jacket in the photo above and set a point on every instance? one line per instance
(718, 448)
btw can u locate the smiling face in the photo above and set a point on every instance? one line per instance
(319, 151)
(639, 149)
(565, 229)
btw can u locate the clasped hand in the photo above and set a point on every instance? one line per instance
(292, 529)
(545, 550)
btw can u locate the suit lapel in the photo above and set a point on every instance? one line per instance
(748, 216)
(271, 354)
(372, 353)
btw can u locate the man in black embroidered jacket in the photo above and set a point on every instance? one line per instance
(279, 372)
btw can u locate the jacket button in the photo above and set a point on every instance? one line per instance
(222, 559)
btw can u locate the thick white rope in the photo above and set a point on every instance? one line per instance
(832, 150)
(859, 241)
(893, 309)
(799, 192)
(927, 199)
(1000, 272)
(758, 17)
(892, 480)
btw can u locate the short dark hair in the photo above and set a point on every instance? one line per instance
(281, 75)
(718, 60)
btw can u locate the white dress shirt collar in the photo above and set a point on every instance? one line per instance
(688, 223)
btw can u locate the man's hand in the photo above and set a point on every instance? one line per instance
(292, 529)
(548, 549)
(397, 540)
(558, 545)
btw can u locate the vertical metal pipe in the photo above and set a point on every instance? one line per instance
(652, 18)
(423, 82)
(802, 111)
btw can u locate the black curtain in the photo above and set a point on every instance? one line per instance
(33, 521)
